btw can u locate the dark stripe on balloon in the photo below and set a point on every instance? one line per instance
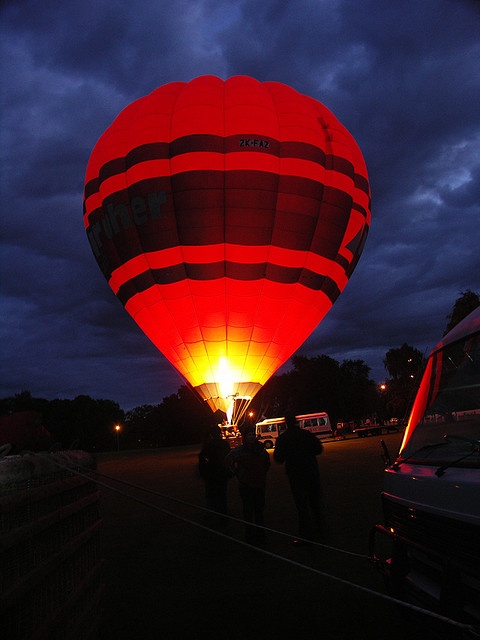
(118, 234)
(146, 152)
(233, 270)
(362, 183)
(217, 144)
(195, 187)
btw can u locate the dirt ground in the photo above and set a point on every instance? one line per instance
(169, 576)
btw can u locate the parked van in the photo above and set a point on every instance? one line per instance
(317, 423)
(269, 430)
(429, 545)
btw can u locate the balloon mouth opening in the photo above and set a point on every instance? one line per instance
(234, 404)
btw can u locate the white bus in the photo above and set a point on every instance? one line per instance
(269, 430)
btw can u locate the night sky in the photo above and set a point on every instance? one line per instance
(403, 77)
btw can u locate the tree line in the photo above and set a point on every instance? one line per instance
(320, 383)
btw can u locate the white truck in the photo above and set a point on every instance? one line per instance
(318, 423)
(428, 547)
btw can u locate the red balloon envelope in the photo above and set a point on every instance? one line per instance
(227, 216)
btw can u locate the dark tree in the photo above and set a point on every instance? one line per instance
(465, 304)
(405, 366)
(404, 363)
(358, 398)
(82, 423)
(23, 401)
(319, 384)
(181, 418)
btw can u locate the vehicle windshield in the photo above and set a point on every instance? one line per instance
(444, 425)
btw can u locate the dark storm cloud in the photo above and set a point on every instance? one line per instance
(402, 77)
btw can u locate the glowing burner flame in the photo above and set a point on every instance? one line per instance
(225, 378)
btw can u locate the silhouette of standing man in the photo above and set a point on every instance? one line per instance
(212, 468)
(250, 462)
(299, 449)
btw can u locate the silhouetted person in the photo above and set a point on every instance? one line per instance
(250, 463)
(212, 468)
(299, 449)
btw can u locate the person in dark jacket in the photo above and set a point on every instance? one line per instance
(213, 470)
(250, 463)
(298, 449)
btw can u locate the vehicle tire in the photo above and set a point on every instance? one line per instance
(268, 444)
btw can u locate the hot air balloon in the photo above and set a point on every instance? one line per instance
(227, 216)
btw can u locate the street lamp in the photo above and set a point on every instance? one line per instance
(117, 429)
(383, 404)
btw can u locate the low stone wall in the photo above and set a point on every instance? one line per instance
(50, 564)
